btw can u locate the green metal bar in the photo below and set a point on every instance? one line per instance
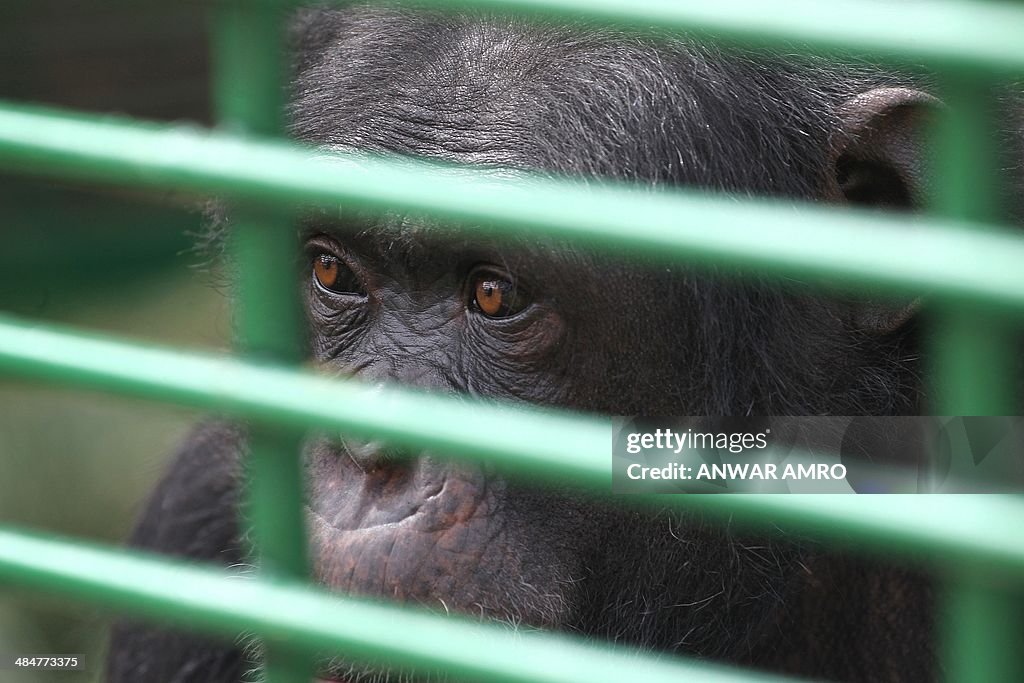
(980, 532)
(269, 329)
(973, 366)
(248, 79)
(248, 89)
(976, 610)
(974, 353)
(313, 620)
(938, 33)
(807, 242)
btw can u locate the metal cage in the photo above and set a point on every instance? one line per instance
(964, 258)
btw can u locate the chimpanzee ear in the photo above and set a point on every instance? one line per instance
(880, 159)
(879, 153)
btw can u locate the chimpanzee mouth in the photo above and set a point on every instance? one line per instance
(429, 533)
(406, 547)
(424, 531)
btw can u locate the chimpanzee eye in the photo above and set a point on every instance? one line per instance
(333, 275)
(496, 296)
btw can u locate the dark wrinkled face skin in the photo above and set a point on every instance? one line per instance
(399, 299)
(387, 304)
(414, 526)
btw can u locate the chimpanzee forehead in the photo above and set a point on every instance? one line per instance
(566, 99)
(467, 92)
(504, 93)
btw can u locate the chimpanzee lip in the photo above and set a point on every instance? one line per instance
(429, 533)
(394, 541)
(422, 506)
(336, 530)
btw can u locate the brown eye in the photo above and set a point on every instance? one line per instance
(496, 297)
(325, 268)
(334, 276)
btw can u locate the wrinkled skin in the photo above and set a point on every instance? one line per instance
(594, 333)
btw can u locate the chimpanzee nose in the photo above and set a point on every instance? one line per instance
(373, 454)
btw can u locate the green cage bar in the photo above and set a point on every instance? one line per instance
(974, 348)
(972, 353)
(249, 72)
(314, 620)
(983, 631)
(951, 259)
(966, 531)
(932, 32)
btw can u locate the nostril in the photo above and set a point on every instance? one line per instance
(372, 455)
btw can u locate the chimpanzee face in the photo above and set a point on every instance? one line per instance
(393, 302)
(402, 300)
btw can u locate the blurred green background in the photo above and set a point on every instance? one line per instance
(77, 463)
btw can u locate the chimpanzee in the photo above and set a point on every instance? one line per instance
(397, 298)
